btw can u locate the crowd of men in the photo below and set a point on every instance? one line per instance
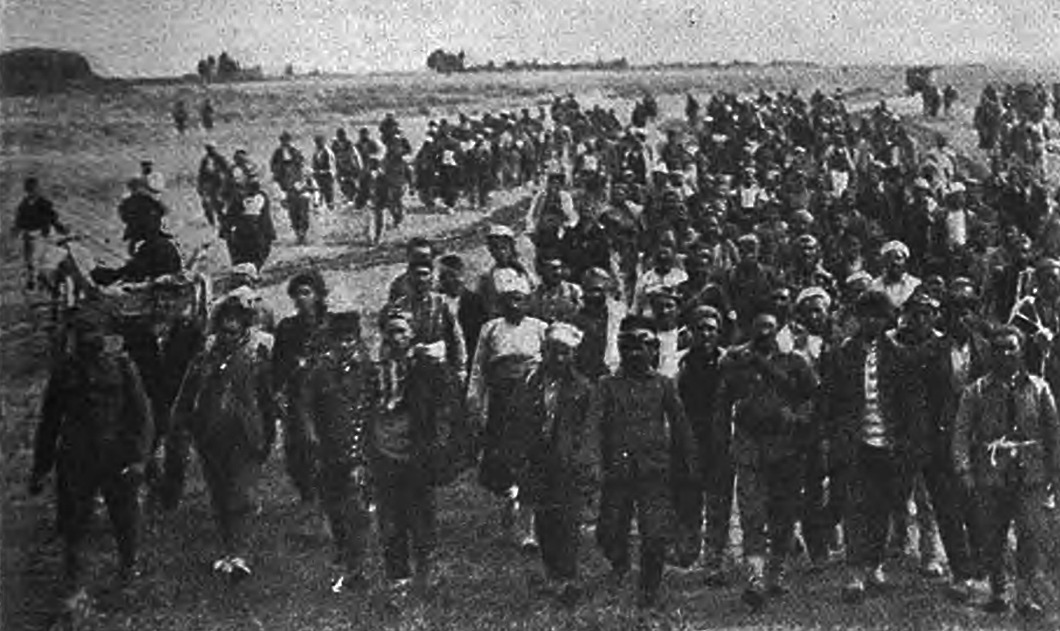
(1012, 126)
(785, 301)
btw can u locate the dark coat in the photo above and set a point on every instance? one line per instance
(768, 401)
(542, 449)
(226, 400)
(334, 398)
(842, 400)
(642, 426)
(95, 412)
(438, 439)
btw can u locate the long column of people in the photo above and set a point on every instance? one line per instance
(805, 307)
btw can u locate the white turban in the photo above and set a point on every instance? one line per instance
(566, 334)
(814, 292)
(509, 281)
(895, 246)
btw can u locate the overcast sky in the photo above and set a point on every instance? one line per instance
(152, 37)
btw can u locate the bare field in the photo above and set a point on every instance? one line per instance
(83, 147)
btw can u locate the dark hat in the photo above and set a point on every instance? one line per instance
(874, 304)
(286, 135)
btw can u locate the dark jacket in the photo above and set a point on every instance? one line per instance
(543, 447)
(983, 418)
(417, 417)
(641, 423)
(37, 214)
(334, 399)
(921, 382)
(225, 401)
(952, 384)
(163, 362)
(96, 412)
(155, 256)
(768, 400)
(290, 351)
(842, 400)
(698, 383)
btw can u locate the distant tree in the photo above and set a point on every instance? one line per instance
(227, 67)
(445, 62)
(204, 71)
(211, 67)
(288, 70)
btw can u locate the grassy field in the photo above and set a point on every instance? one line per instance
(83, 146)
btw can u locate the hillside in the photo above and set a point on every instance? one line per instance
(29, 71)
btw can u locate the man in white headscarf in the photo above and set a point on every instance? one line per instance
(551, 443)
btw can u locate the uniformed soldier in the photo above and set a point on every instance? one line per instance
(768, 393)
(644, 436)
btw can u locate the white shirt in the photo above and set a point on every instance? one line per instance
(874, 428)
(898, 292)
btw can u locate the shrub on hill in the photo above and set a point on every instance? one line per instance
(29, 71)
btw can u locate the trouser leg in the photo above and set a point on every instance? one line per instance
(872, 495)
(998, 510)
(76, 495)
(230, 477)
(751, 496)
(394, 512)
(299, 455)
(1031, 528)
(556, 526)
(654, 523)
(719, 487)
(782, 508)
(817, 523)
(346, 508)
(422, 519)
(949, 502)
(123, 507)
(612, 531)
(688, 506)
